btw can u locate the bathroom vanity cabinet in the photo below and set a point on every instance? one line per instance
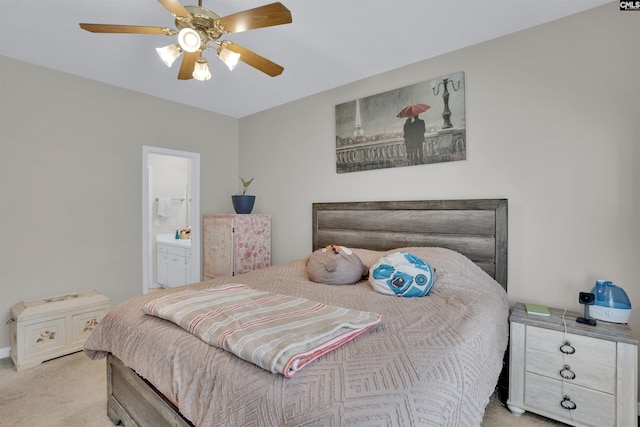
(173, 263)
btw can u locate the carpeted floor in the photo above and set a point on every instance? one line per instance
(71, 392)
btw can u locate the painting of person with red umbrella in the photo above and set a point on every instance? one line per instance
(414, 125)
(414, 129)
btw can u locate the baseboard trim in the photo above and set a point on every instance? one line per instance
(5, 352)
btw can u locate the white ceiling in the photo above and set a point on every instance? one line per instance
(330, 43)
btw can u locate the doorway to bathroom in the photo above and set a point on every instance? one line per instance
(171, 214)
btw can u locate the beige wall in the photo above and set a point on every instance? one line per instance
(71, 180)
(553, 125)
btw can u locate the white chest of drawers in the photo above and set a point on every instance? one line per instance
(578, 374)
(42, 329)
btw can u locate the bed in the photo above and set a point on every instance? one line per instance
(432, 361)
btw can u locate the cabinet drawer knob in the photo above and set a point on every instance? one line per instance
(567, 373)
(566, 348)
(567, 403)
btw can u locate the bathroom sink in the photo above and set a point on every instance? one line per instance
(171, 240)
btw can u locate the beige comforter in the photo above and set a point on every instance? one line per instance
(433, 361)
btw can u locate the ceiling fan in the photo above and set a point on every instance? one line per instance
(197, 26)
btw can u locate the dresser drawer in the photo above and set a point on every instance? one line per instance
(592, 361)
(579, 371)
(586, 349)
(591, 407)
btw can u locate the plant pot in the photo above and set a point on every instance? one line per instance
(243, 204)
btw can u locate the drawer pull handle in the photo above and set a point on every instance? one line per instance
(567, 373)
(567, 403)
(567, 349)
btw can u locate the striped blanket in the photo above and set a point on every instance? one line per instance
(279, 333)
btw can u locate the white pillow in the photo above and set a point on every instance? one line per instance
(402, 274)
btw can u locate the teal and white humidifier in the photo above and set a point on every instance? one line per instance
(612, 303)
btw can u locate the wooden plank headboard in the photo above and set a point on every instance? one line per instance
(476, 228)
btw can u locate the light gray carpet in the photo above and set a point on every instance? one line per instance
(71, 392)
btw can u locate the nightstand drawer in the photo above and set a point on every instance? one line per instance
(591, 407)
(592, 361)
(588, 350)
(576, 370)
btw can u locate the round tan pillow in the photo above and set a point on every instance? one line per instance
(335, 265)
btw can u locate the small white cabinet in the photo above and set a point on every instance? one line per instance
(579, 374)
(173, 264)
(42, 329)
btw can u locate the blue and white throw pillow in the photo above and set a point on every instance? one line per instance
(403, 275)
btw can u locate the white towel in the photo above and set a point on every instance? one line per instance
(164, 207)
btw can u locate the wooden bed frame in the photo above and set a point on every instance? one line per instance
(476, 228)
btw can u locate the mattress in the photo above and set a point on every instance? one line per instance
(432, 361)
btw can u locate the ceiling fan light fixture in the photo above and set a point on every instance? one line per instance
(169, 53)
(201, 70)
(229, 57)
(189, 40)
(196, 27)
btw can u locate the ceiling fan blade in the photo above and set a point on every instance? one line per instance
(256, 61)
(188, 65)
(127, 29)
(176, 8)
(259, 17)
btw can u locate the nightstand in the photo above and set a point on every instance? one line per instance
(577, 374)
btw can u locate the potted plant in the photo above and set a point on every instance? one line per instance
(243, 203)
